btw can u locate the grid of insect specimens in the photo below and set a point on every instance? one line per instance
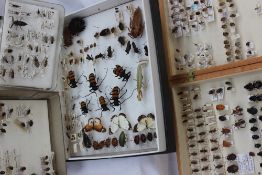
(225, 113)
(189, 16)
(25, 138)
(108, 84)
(29, 44)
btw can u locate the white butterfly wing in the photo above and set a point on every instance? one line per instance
(123, 122)
(114, 124)
(140, 127)
(150, 123)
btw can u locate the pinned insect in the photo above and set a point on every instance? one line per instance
(136, 50)
(240, 123)
(76, 25)
(139, 79)
(122, 139)
(231, 157)
(145, 122)
(98, 145)
(115, 97)
(12, 73)
(14, 5)
(122, 40)
(93, 83)
(71, 81)
(94, 124)
(119, 122)
(120, 72)
(238, 111)
(89, 57)
(121, 26)
(114, 142)
(17, 23)
(232, 169)
(103, 104)
(100, 55)
(252, 110)
(84, 106)
(128, 47)
(136, 26)
(146, 50)
(67, 36)
(36, 62)
(86, 140)
(105, 32)
(110, 52)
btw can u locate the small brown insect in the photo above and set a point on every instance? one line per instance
(240, 123)
(108, 142)
(232, 169)
(202, 133)
(36, 62)
(213, 140)
(226, 131)
(45, 62)
(212, 130)
(220, 107)
(204, 159)
(52, 39)
(30, 47)
(219, 166)
(114, 142)
(194, 162)
(195, 170)
(216, 157)
(252, 154)
(105, 32)
(12, 73)
(136, 26)
(231, 157)
(203, 151)
(226, 144)
(214, 148)
(200, 125)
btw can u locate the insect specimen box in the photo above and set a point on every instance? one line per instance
(113, 98)
(113, 90)
(215, 73)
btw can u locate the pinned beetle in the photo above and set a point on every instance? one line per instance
(136, 27)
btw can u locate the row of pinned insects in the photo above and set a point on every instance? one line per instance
(118, 123)
(22, 118)
(107, 54)
(94, 87)
(78, 25)
(201, 133)
(115, 142)
(11, 165)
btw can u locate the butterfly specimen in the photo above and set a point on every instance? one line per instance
(94, 124)
(119, 122)
(145, 122)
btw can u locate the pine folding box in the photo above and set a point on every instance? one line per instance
(103, 89)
